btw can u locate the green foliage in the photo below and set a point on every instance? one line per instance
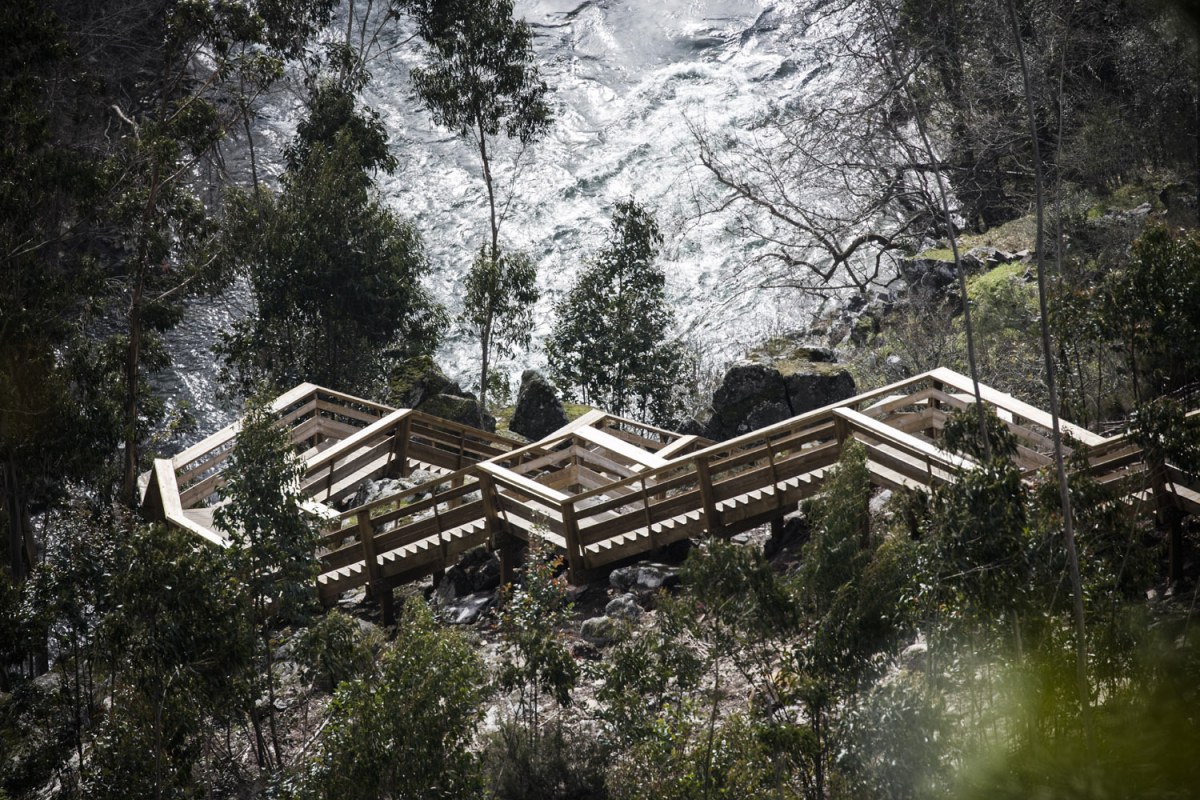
(405, 733)
(685, 761)
(961, 435)
(536, 662)
(481, 79)
(564, 764)
(1152, 311)
(274, 541)
(841, 525)
(498, 307)
(334, 649)
(339, 294)
(645, 678)
(177, 646)
(610, 337)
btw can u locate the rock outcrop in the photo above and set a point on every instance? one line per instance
(754, 395)
(539, 412)
(421, 384)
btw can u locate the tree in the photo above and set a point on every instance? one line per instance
(406, 732)
(335, 274)
(482, 81)
(501, 292)
(273, 544)
(610, 338)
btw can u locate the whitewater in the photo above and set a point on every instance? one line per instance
(630, 80)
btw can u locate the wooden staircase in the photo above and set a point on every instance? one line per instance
(603, 488)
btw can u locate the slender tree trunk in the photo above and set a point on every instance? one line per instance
(948, 221)
(133, 355)
(486, 335)
(485, 161)
(485, 344)
(19, 560)
(1081, 660)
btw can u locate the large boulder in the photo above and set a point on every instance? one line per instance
(539, 412)
(463, 410)
(415, 381)
(421, 384)
(755, 395)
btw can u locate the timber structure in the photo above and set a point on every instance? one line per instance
(602, 488)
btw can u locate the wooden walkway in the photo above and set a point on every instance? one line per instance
(603, 488)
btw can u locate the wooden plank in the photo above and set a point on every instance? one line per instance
(1014, 406)
(508, 477)
(206, 445)
(299, 411)
(621, 447)
(378, 430)
(889, 404)
(904, 441)
(172, 508)
(667, 452)
(597, 459)
(554, 458)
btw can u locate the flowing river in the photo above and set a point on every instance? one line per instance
(630, 79)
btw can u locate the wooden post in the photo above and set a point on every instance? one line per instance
(646, 511)
(381, 593)
(400, 446)
(712, 522)
(575, 565)
(1169, 515)
(504, 544)
(841, 430)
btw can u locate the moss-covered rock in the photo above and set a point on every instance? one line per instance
(539, 412)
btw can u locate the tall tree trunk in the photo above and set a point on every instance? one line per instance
(485, 344)
(491, 192)
(133, 353)
(948, 221)
(1064, 492)
(19, 560)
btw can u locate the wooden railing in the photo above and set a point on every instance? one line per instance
(603, 488)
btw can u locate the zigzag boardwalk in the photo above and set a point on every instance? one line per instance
(603, 488)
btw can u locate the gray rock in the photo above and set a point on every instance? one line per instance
(642, 578)
(371, 490)
(416, 381)
(752, 396)
(467, 610)
(744, 389)
(913, 658)
(463, 410)
(879, 502)
(600, 630)
(764, 415)
(539, 412)
(795, 530)
(455, 583)
(623, 606)
(928, 275)
(486, 576)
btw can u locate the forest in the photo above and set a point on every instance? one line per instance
(1008, 189)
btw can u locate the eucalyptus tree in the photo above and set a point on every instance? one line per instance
(481, 81)
(273, 556)
(336, 274)
(498, 307)
(611, 338)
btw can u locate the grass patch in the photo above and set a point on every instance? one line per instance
(576, 410)
(1013, 236)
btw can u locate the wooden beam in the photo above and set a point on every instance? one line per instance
(622, 448)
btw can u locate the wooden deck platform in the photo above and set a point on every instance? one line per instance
(602, 488)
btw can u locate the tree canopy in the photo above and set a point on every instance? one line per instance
(611, 342)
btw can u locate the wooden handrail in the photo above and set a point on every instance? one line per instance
(907, 442)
